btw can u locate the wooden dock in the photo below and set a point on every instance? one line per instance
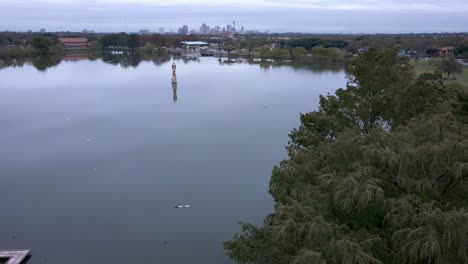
(14, 256)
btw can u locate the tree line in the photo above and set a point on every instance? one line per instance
(377, 175)
(424, 44)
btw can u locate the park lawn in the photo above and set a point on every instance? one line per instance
(422, 66)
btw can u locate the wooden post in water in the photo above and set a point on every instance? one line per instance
(174, 76)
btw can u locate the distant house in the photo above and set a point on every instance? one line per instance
(446, 51)
(408, 53)
(74, 43)
(194, 45)
(362, 49)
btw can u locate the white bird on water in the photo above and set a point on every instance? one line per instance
(182, 206)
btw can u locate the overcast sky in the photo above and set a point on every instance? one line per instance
(319, 16)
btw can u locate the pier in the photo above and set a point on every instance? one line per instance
(14, 256)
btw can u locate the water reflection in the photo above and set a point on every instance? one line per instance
(42, 63)
(186, 59)
(316, 67)
(123, 59)
(158, 60)
(126, 60)
(150, 151)
(5, 63)
(79, 56)
(174, 92)
(230, 61)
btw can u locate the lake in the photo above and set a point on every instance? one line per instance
(95, 153)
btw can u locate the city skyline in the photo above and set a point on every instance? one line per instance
(184, 29)
(203, 29)
(313, 16)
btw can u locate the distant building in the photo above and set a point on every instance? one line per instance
(204, 29)
(446, 51)
(42, 30)
(217, 29)
(229, 28)
(184, 30)
(408, 53)
(74, 43)
(161, 30)
(362, 50)
(144, 31)
(194, 45)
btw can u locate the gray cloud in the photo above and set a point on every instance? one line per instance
(333, 16)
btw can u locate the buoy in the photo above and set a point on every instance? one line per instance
(182, 206)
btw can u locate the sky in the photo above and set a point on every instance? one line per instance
(308, 16)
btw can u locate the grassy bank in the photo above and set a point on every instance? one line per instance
(422, 66)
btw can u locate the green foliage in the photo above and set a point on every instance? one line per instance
(161, 51)
(461, 51)
(148, 49)
(42, 63)
(432, 51)
(447, 65)
(339, 43)
(43, 45)
(95, 45)
(299, 53)
(133, 41)
(229, 48)
(461, 105)
(377, 175)
(120, 41)
(322, 53)
(251, 43)
(281, 54)
(309, 43)
(264, 51)
(17, 52)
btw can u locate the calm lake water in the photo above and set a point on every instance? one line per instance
(95, 154)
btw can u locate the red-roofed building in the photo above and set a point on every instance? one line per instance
(446, 51)
(74, 43)
(75, 56)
